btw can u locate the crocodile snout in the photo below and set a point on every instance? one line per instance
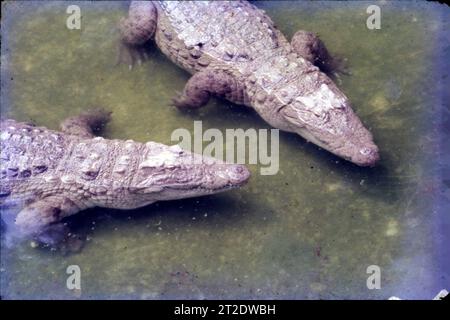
(326, 118)
(365, 156)
(226, 175)
(238, 175)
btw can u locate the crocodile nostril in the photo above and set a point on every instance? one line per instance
(238, 169)
(370, 156)
(365, 151)
(238, 174)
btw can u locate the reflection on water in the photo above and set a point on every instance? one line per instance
(308, 232)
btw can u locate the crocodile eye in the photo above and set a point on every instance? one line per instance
(90, 174)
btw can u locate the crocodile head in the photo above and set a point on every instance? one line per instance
(318, 111)
(168, 173)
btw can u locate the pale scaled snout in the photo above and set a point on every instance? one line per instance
(366, 155)
(238, 174)
(325, 117)
(228, 176)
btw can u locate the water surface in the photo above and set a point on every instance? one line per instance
(308, 232)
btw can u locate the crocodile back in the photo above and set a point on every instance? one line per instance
(196, 34)
(28, 154)
(37, 162)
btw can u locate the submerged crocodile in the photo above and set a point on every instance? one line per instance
(49, 175)
(234, 51)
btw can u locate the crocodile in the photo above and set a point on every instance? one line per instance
(48, 175)
(233, 50)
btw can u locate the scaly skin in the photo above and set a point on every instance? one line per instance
(234, 51)
(50, 175)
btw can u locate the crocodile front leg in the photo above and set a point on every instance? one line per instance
(86, 124)
(205, 83)
(137, 29)
(309, 46)
(37, 216)
(42, 221)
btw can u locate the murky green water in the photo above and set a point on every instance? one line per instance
(308, 232)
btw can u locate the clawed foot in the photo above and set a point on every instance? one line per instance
(59, 238)
(309, 46)
(182, 102)
(179, 101)
(337, 67)
(131, 55)
(72, 244)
